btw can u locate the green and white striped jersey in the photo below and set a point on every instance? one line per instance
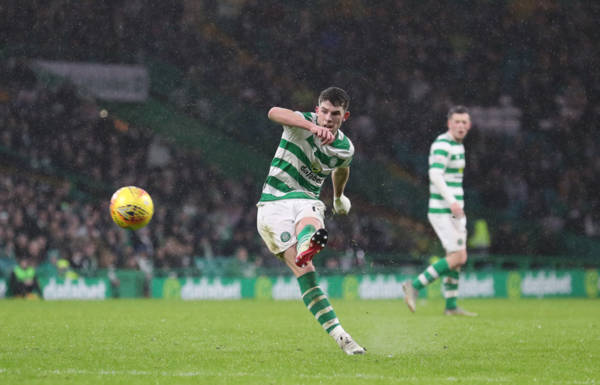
(448, 157)
(301, 163)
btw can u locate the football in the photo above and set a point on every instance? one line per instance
(131, 207)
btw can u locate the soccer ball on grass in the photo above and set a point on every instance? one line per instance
(131, 207)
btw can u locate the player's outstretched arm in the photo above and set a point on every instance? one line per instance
(339, 178)
(288, 117)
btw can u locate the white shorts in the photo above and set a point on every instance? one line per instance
(276, 221)
(451, 232)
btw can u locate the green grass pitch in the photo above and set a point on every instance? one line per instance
(527, 341)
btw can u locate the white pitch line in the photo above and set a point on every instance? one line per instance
(107, 372)
(388, 379)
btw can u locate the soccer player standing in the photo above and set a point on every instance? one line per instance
(446, 214)
(290, 216)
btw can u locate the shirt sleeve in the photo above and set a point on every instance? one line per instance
(438, 161)
(436, 176)
(297, 133)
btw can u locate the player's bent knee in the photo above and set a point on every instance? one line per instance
(457, 259)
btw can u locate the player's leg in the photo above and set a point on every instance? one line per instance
(292, 223)
(430, 274)
(312, 236)
(451, 234)
(281, 229)
(451, 289)
(318, 304)
(455, 261)
(281, 236)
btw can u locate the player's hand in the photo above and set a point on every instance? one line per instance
(341, 205)
(323, 133)
(457, 211)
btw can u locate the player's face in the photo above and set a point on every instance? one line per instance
(331, 116)
(459, 125)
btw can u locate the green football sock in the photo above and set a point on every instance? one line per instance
(316, 301)
(451, 289)
(430, 274)
(304, 237)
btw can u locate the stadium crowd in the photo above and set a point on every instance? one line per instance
(69, 160)
(40, 215)
(524, 68)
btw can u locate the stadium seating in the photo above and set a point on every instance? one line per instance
(213, 76)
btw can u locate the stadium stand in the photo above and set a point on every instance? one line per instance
(532, 153)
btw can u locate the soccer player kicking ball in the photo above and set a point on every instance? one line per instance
(290, 214)
(446, 215)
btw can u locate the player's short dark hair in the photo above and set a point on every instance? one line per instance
(336, 96)
(457, 110)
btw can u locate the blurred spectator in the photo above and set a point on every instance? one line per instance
(23, 281)
(63, 268)
(479, 242)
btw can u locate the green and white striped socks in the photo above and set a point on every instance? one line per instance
(433, 272)
(451, 289)
(318, 304)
